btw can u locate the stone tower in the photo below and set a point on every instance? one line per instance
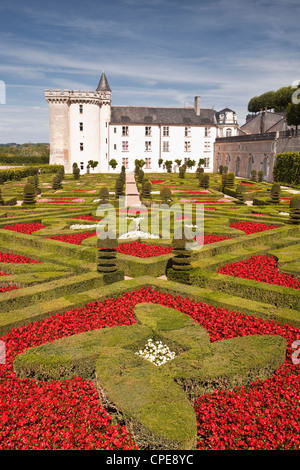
(78, 126)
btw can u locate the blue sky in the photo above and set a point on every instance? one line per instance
(156, 53)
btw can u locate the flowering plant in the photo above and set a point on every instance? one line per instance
(156, 352)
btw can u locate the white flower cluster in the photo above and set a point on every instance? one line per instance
(79, 226)
(137, 234)
(157, 353)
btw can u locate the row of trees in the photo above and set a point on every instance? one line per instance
(140, 163)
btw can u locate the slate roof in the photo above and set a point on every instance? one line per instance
(171, 116)
(103, 84)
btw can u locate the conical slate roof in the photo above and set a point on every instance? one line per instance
(103, 84)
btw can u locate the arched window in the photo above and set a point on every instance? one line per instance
(228, 132)
(250, 165)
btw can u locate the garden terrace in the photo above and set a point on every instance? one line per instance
(63, 307)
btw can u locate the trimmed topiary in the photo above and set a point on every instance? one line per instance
(119, 187)
(146, 190)
(181, 172)
(253, 175)
(104, 195)
(204, 180)
(221, 169)
(230, 180)
(1, 199)
(28, 194)
(107, 260)
(76, 173)
(56, 183)
(165, 195)
(140, 176)
(275, 193)
(295, 209)
(1, 178)
(240, 192)
(260, 175)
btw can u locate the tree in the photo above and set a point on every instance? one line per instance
(168, 164)
(293, 115)
(113, 163)
(139, 163)
(178, 161)
(160, 162)
(93, 163)
(190, 163)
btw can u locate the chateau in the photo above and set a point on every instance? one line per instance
(85, 126)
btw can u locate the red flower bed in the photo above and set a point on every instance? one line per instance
(260, 268)
(86, 217)
(252, 227)
(8, 288)
(75, 239)
(262, 215)
(68, 415)
(210, 239)
(4, 274)
(143, 250)
(25, 228)
(18, 259)
(157, 181)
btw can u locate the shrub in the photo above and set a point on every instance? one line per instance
(295, 209)
(181, 172)
(287, 168)
(119, 186)
(146, 190)
(240, 192)
(104, 195)
(56, 183)
(76, 173)
(1, 178)
(165, 195)
(28, 194)
(275, 193)
(221, 169)
(260, 176)
(253, 175)
(140, 175)
(1, 199)
(230, 180)
(204, 180)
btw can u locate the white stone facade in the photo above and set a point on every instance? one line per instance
(85, 126)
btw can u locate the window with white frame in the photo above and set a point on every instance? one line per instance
(187, 132)
(125, 162)
(81, 146)
(207, 146)
(187, 146)
(206, 162)
(81, 109)
(207, 132)
(125, 146)
(125, 131)
(166, 146)
(148, 130)
(148, 146)
(115, 146)
(228, 132)
(148, 163)
(115, 130)
(81, 126)
(166, 131)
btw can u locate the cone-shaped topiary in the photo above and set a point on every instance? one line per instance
(253, 175)
(107, 259)
(260, 175)
(56, 183)
(146, 190)
(1, 178)
(1, 199)
(240, 192)
(230, 180)
(275, 193)
(104, 195)
(221, 169)
(28, 194)
(204, 180)
(119, 188)
(181, 260)
(295, 209)
(165, 195)
(76, 173)
(140, 176)
(181, 172)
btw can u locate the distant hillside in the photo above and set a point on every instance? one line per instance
(24, 154)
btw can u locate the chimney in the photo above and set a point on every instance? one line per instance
(197, 105)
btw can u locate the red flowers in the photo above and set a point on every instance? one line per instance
(252, 227)
(18, 259)
(86, 217)
(25, 228)
(143, 250)
(156, 181)
(75, 239)
(211, 239)
(260, 268)
(68, 414)
(8, 288)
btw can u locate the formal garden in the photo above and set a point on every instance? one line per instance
(135, 342)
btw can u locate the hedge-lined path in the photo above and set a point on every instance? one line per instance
(131, 191)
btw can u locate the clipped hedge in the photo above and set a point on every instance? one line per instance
(287, 168)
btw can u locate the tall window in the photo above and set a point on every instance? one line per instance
(166, 147)
(148, 130)
(206, 162)
(81, 126)
(81, 146)
(148, 146)
(187, 132)
(125, 130)
(125, 146)
(187, 146)
(207, 132)
(228, 132)
(125, 162)
(207, 146)
(166, 131)
(148, 163)
(81, 109)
